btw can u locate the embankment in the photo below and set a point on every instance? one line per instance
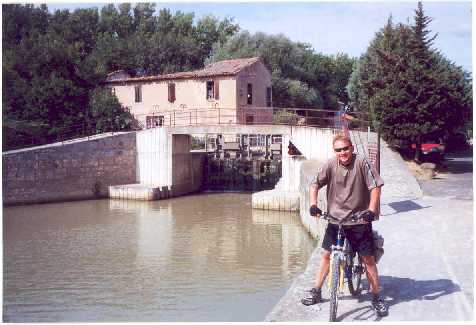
(74, 170)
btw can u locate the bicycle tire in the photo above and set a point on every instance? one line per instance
(334, 289)
(355, 269)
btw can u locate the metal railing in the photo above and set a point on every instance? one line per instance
(210, 116)
(255, 115)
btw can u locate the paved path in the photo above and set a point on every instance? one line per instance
(426, 272)
(455, 181)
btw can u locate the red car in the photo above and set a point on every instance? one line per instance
(431, 150)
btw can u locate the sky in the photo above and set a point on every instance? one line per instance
(336, 26)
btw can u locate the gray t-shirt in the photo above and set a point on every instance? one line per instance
(348, 187)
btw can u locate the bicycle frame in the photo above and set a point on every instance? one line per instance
(337, 252)
(340, 256)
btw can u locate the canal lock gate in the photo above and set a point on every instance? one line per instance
(247, 165)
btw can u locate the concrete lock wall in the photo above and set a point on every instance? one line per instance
(313, 144)
(307, 175)
(85, 168)
(159, 157)
(292, 190)
(164, 159)
(80, 169)
(154, 157)
(187, 171)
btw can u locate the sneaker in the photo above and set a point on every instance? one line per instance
(380, 306)
(313, 297)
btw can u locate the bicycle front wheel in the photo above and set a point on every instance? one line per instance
(355, 269)
(334, 289)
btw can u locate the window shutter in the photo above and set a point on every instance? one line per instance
(171, 92)
(217, 90)
(138, 94)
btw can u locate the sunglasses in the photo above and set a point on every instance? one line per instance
(342, 149)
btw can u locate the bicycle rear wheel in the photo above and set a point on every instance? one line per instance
(355, 269)
(334, 289)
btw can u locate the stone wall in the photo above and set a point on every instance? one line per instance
(80, 169)
(315, 226)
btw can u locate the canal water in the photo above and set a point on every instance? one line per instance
(208, 257)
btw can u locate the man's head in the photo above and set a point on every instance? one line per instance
(343, 149)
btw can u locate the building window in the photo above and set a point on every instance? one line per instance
(171, 92)
(210, 89)
(138, 93)
(213, 91)
(249, 95)
(269, 100)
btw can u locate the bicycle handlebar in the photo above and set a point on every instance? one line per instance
(358, 216)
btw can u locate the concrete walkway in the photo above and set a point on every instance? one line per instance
(426, 273)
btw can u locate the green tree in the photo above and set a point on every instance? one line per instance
(106, 114)
(343, 67)
(21, 21)
(54, 63)
(410, 89)
(301, 78)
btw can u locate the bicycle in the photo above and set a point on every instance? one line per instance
(344, 263)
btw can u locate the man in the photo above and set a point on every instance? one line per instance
(353, 185)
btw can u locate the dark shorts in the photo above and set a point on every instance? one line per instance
(360, 238)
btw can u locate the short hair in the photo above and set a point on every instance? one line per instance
(341, 137)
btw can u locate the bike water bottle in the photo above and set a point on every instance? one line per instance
(340, 242)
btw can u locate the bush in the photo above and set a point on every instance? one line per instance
(284, 117)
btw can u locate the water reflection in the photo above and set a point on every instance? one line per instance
(197, 258)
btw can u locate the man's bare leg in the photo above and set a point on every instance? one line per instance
(323, 269)
(314, 295)
(372, 273)
(381, 308)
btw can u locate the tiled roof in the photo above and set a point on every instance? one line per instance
(221, 68)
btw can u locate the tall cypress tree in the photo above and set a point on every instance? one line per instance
(408, 87)
(422, 81)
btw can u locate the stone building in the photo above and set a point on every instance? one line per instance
(224, 92)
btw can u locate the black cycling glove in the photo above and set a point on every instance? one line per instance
(368, 216)
(314, 210)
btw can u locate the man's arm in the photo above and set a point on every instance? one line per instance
(375, 199)
(316, 184)
(313, 209)
(313, 192)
